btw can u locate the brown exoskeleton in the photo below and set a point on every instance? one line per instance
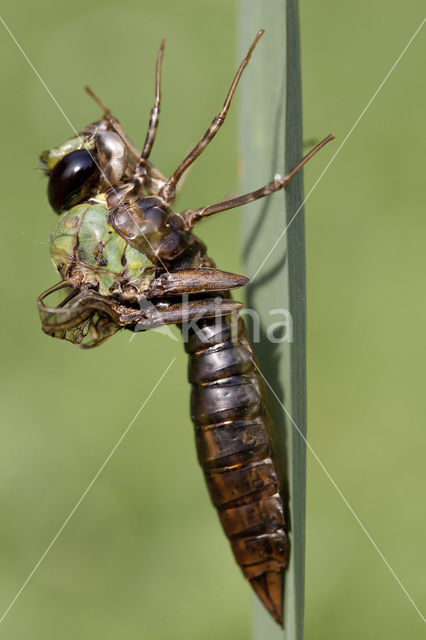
(127, 260)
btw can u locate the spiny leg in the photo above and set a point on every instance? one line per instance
(177, 313)
(169, 189)
(155, 175)
(192, 216)
(155, 111)
(102, 105)
(114, 123)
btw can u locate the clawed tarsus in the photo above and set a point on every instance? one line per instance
(192, 216)
(169, 189)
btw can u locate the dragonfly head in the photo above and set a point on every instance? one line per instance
(84, 165)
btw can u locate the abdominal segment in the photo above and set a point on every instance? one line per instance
(233, 438)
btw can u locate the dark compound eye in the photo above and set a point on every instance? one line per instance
(72, 179)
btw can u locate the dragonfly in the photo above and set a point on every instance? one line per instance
(128, 261)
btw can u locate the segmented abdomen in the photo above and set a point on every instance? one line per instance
(233, 437)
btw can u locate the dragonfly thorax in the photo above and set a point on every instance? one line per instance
(87, 251)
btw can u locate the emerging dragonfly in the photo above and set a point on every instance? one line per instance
(126, 261)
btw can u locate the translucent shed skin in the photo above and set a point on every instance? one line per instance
(127, 261)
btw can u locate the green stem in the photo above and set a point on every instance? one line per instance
(270, 143)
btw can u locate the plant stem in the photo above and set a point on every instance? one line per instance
(270, 137)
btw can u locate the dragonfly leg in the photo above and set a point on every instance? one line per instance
(155, 111)
(114, 124)
(102, 105)
(178, 313)
(192, 216)
(169, 189)
(154, 177)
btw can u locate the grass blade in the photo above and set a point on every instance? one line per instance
(270, 137)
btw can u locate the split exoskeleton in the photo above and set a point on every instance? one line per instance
(126, 261)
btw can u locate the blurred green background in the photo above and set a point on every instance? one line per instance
(144, 555)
